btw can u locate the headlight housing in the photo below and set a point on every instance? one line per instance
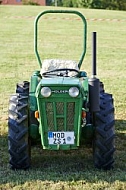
(73, 92)
(46, 92)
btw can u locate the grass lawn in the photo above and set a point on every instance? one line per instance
(61, 37)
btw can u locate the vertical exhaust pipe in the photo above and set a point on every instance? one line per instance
(94, 85)
(94, 54)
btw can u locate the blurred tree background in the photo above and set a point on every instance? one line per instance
(92, 4)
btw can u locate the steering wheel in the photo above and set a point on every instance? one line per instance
(59, 72)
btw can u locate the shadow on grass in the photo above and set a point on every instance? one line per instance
(75, 165)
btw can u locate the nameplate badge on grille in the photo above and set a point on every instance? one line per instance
(61, 138)
(60, 91)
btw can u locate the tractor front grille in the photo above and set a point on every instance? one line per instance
(60, 116)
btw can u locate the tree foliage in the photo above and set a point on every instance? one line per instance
(103, 4)
(94, 4)
(109, 4)
(84, 3)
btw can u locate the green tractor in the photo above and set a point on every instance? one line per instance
(62, 108)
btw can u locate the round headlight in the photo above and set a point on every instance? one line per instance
(46, 91)
(73, 91)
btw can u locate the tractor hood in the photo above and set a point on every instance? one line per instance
(60, 81)
(61, 84)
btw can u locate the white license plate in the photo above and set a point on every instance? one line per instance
(61, 138)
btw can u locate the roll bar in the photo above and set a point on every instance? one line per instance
(60, 11)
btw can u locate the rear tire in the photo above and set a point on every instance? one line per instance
(103, 144)
(18, 135)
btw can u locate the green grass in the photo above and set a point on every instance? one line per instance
(61, 38)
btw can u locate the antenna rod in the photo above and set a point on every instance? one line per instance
(94, 53)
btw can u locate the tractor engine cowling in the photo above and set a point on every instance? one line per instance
(60, 101)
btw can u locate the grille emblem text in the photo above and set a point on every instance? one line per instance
(60, 91)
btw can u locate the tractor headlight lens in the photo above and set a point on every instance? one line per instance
(73, 91)
(46, 92)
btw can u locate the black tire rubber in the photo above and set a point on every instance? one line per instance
(18, 134)
(23, 87)
(104, 139)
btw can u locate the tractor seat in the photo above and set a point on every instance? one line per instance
(52, 64)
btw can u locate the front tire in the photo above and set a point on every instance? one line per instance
(18, 139)
(103, 144)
